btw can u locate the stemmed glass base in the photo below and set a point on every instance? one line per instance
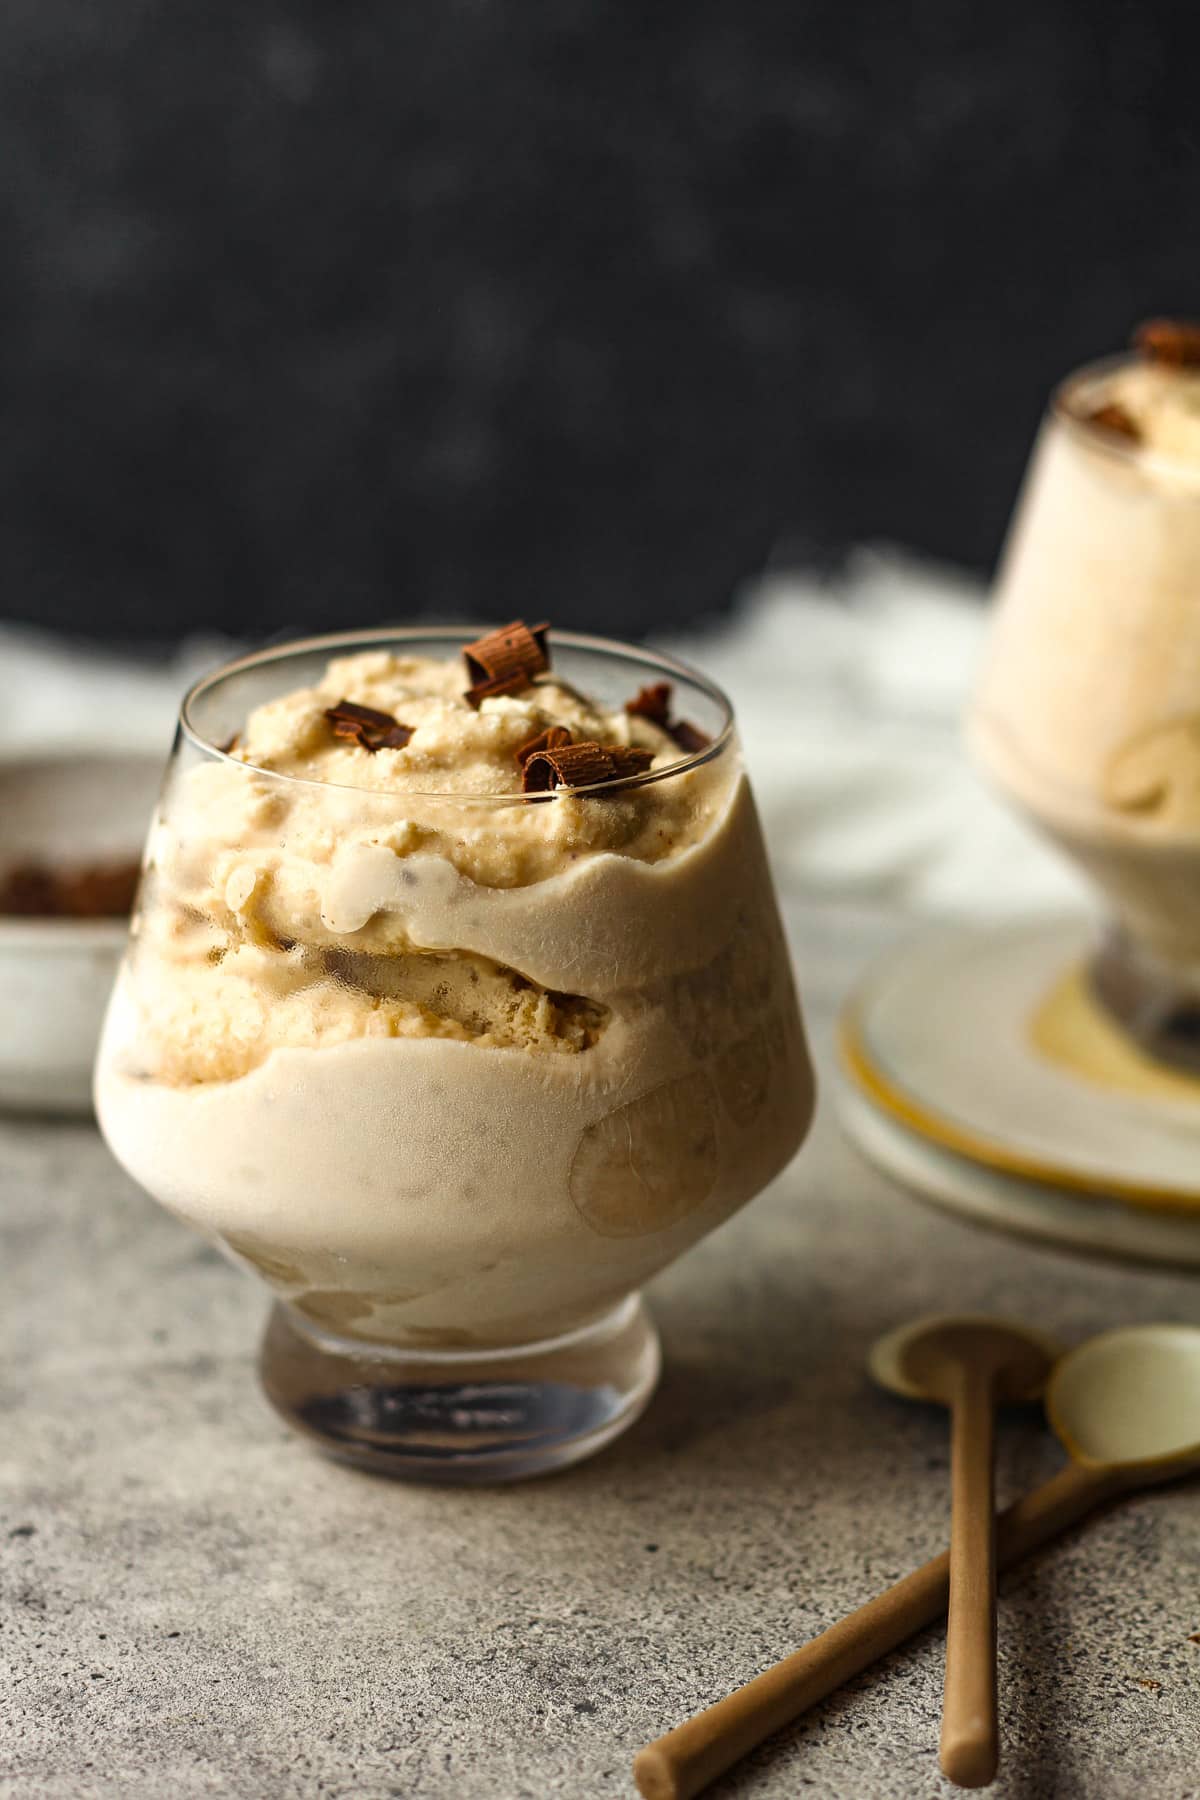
(462, 1416)
(1151, 1002)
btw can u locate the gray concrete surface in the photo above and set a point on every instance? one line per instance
(193, 1603)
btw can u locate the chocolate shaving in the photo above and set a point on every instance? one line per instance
(555, 737)
(629, 759)
(1112, 416)
(1174, 341)
(366, 726)
(506, 660)
(582, 765)
(654, 703)
(35, 890)
(690, 738)
(229, 745)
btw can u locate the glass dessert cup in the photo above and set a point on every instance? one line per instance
(1087, 715)
(454, 1073)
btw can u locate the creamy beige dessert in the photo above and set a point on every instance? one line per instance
(1088, 710)
(457, 1014)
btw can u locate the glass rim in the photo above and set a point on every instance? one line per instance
(1063, 410)
(655, 661)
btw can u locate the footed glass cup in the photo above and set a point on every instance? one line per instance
(1087, 713)
(453, 1123)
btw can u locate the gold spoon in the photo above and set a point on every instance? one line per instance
(972, 1365)
(1126, 1407)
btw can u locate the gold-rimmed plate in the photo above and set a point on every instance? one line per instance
(1064, 1218)
(984, 1042)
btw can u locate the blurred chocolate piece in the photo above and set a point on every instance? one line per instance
(1114, 417)
(654, 703)
(689, 737)
(35, 890)
(1174, 341)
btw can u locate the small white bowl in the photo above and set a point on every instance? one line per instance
(56, 974)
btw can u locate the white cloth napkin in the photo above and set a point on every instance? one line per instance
(67, 696)
(850, 696)
(849, 693)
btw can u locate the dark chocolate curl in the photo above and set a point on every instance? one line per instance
(506, 660)
(366, 726)
(555, 737)
(629, 759)
(582, 765)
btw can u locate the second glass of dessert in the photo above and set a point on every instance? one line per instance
(1088, 713)
(457, 1004)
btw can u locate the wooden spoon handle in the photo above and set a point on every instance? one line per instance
(970, 1739)
(679, 1765)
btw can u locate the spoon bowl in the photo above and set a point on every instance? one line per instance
(1130, 1400)
(922, 1360)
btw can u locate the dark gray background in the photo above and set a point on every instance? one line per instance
(319, 314)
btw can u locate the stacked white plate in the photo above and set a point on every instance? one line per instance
(980, 1073)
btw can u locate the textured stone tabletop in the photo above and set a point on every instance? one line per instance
(193, 1603)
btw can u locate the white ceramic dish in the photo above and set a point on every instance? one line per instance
(1062, 1217)
(944, 1035)
(55, 974)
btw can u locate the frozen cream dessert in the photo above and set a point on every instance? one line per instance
(1088, 711)
(458, 1002)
